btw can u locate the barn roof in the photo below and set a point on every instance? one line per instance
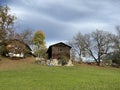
(61, 43)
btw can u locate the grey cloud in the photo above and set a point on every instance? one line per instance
(61, 19)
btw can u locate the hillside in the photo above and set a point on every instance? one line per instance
(26, 75)
(6, 64)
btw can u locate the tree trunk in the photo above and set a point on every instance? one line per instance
(98, 63)
(80, 57)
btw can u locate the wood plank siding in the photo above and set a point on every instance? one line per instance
(57, 50)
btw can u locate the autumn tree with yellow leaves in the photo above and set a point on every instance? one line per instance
(39, 44)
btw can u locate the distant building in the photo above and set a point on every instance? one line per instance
(59, 50)
(18, 48)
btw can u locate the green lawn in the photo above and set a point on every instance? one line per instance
(36, 77)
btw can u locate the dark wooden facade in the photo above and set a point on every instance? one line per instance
(57, 50)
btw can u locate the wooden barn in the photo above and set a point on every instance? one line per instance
(59, 50)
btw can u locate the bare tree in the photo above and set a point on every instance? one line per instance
(25, 36)
(116, 39)
(72, 55)
(78, 44)
(72, 51)
(98, 44)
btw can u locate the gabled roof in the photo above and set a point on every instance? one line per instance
(58, 44)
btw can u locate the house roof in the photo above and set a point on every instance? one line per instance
(58, 44)
(20, 42)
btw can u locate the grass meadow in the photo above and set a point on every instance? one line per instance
(23, 75)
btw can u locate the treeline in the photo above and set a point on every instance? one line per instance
(98, 44)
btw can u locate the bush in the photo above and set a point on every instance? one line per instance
(116, 58)
(63, 59)
(3, 50)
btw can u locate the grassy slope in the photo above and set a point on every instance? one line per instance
(29, 76)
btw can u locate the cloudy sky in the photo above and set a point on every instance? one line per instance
(62, 19)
